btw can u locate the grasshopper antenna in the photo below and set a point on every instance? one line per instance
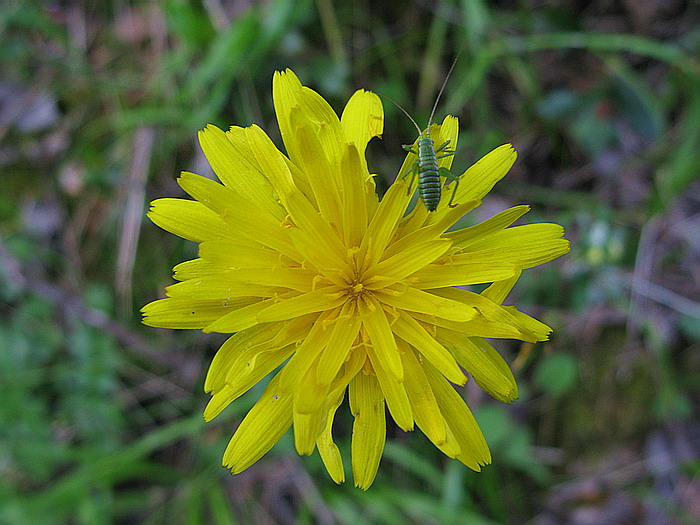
(442, 88)
(420, 131)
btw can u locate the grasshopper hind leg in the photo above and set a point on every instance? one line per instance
(451, 177)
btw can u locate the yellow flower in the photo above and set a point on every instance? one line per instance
(319, 279)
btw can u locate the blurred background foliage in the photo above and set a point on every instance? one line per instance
(100, 102)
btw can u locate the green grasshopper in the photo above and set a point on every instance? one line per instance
(426, 166)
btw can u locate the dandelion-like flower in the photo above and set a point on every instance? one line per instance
(318, 279)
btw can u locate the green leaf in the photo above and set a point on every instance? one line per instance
(683, 164)
(557, 374)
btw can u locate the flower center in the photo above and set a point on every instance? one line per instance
(356, 285)
(357, 288)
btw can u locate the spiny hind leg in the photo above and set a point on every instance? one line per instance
(451, 177)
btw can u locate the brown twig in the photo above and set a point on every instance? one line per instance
(133, 213)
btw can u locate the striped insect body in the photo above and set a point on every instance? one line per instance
(428, 171)
(429, 188)
(426, 168)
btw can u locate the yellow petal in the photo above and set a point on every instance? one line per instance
(322, 175)
(433, 225)
(479, 326)
(264, 425)
(307, 352)
(238, 136)
(241, 318)
(324, 122)
(222, 398)
(354, 210)
(530, 328)
(408, 329)
(247, 350)
(414, 300)
(308, 413)
(232, 349)
(524, 246)
(285, 89)
(229, 157)
(498, 361)
(499, 290)
(362, 119)
(309, 399)
(467, 236)
(238, 253)
(247, 371)
(271, 161)
(196, 269)
(485, 365)
(452, 449)
(494, 320)
(289, 96)
(185, 313)
(217, 197)
(410, 160)
(474, 450)
(418, 216)
(475, 182)
(447, 131)
(253, 364)
(401, 265)
(327, 449)
(221, 287)
(355, 362)
(486, 270)
(331, 268)
(383, 224)
(381, 337)
(299, 279)
(260, 282)
(478, 180)
(371, 196)
(393, 391)
(301, 181)
(420, 394)
(345, 330)
(239, 216)
(368, 430)
(410, 233)
(190, 220)
(316, 301)
(322, 237)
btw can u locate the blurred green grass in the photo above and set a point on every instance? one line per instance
(100, 417)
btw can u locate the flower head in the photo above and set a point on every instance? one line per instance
(338, 291)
